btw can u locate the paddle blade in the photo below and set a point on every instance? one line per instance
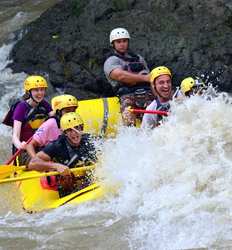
(7, 170)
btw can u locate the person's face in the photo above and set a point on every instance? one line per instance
(163, 87)
(68, 109)
(38, 94)
(121, 45)
(74, 135)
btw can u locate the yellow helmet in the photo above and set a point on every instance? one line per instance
(63, 101)
(34, 82)
(70, 120)
(158, 71)
(187, 84)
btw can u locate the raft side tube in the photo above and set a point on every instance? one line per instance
(101, 116)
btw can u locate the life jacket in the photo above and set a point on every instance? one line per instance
(161, 107)
(8, 119)
(65, 184)
(133, 65)
(69, 155)
(49, 182)
(34, 118)
(75, 157)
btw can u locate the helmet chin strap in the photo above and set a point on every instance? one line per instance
(31, 96)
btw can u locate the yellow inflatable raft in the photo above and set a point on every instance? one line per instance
(36, 198)
(101, 117)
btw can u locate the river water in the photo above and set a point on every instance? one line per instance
(175, 181)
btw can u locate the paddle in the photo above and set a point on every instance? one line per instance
(6, 170)
(73, 170)
(16, 153)
(144, 111)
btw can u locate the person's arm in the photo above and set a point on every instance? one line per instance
(42, 162)
(129, 78)
(41, 136)
(16, 135)
(30, 147)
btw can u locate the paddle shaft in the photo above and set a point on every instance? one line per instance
(74, 170)
(16, 153)
(154, 112)
(9, 169)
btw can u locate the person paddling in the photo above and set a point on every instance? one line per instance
(72, 147)
(28, 114)
(161, 85)
(50, 129)
(128, 74)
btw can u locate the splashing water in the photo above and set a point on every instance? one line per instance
(11, 87)
(175, 184)
(175, 180)
(174, 188)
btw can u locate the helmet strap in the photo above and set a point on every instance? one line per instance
(31, 96)
(58, 114)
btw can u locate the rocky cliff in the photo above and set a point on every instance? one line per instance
(70, 41)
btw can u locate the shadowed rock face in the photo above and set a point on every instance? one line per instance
(71, 40)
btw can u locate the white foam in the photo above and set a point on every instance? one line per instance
(176, 179)
(11, 87)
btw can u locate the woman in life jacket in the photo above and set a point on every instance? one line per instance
(50, 129)
(29, 113)
(161, 85)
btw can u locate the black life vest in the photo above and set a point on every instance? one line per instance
(69, 155)
(35, 116)
(84, 153)
(133, 65)
(8, 119)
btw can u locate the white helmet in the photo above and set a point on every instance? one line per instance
(119, 33)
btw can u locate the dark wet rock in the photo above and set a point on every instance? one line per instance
(70, 41)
